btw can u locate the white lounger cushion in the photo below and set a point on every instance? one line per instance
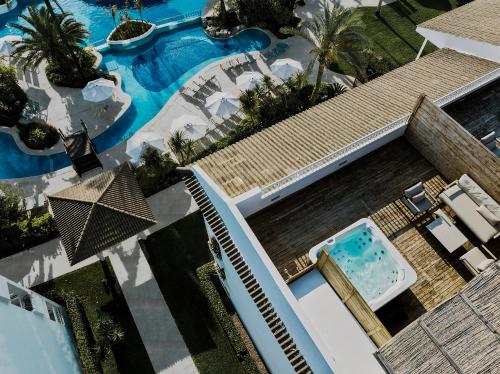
(485, 264)
(488, 216)
(478, 195)
(465, 209)
(413, 190)
(488, 138)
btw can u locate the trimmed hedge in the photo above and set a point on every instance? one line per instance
(81, 333)
(205, 274)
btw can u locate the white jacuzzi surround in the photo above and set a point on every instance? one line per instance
(406, 275)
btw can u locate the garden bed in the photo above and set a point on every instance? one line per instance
(38, 135)
(88, 294)
(130, 30)
(174, 253)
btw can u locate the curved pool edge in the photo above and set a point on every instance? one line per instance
(191, 74)
(406, 274)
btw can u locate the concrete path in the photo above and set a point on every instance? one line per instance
(164, 343)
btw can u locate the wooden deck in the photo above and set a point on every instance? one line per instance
(370, 187)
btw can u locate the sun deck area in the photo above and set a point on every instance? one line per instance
(370, 187)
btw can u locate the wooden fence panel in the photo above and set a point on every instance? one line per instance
(352, 299)
(451, 148)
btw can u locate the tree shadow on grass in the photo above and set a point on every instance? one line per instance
(436, 4)
(395, 32)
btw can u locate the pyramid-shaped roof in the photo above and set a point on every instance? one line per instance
(99, 212)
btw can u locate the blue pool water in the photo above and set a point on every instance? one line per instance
(365, 261)
(96, 15)
(151, 74)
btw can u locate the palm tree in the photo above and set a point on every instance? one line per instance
(177, 143)
(334, 34)
(151, 157)
(138, 5)
(249, 102)
(114, 8)
(223, 13)
(188, 151)
(41, 39)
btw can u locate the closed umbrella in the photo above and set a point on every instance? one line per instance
(222, 104)
(285, 68)
(192, 126)
(98, 90)
(249, 80)
(137, 144)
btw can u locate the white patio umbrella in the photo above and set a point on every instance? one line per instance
(285, 68)
(6, 45)
(249, 80)
(98, 90)
(193, 126)
(138, 143)
(222, 104)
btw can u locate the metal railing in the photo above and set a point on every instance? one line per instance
(179, 17)
(325, 161)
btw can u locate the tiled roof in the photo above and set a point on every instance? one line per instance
(478, 20)
(99, 212)
(308, 136)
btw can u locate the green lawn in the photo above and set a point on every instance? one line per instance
(174, 254)
(129, 356)
(393, 35)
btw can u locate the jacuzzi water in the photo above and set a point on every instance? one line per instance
(365, 261)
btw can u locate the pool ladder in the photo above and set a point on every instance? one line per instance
(265, 307)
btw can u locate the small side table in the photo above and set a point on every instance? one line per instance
(446, 232)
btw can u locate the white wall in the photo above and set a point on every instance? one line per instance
(30, 342)
(275, 288)
(463, 45)
(252, 201)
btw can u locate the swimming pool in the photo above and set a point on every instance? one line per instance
(371, 262)
(96, 15)
(151, 74)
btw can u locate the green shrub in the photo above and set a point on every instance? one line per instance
(157, 173)
(70, 76)
(11, 208)
(37, 230)
(83, 337)
(206, 273)
(38, 135)
(12, 97)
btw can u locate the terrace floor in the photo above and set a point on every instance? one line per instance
(479, 113)
(370, 187)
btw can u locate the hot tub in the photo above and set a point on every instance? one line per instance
(370, 261)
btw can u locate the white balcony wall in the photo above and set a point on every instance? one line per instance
(274, 287)
(462, 45)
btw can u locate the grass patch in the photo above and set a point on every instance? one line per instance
(392, 33)
(174, 254)
(129, 356)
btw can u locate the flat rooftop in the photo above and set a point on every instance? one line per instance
(370, 187)
(479, 112)
(477, 20)
(333, 322)
(298, 141)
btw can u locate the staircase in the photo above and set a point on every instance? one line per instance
(251, 284)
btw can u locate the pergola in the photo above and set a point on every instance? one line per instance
(99, 212)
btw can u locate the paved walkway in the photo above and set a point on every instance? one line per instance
(164, 343)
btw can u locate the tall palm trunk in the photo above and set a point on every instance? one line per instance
(379, 7)
(63, 38)
(223, 12)
(319, 78)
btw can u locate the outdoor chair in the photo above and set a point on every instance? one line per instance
(416, 199)
(491, 141)
(476, 261)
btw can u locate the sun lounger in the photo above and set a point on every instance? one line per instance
(476, 261)
(416, 199)
(491, 141)
(474, 207)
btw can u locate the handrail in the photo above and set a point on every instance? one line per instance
(328, 159)
(314, 166)
(183, 16)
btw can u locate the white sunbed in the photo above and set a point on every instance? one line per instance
(476, 261)
(468, 200)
